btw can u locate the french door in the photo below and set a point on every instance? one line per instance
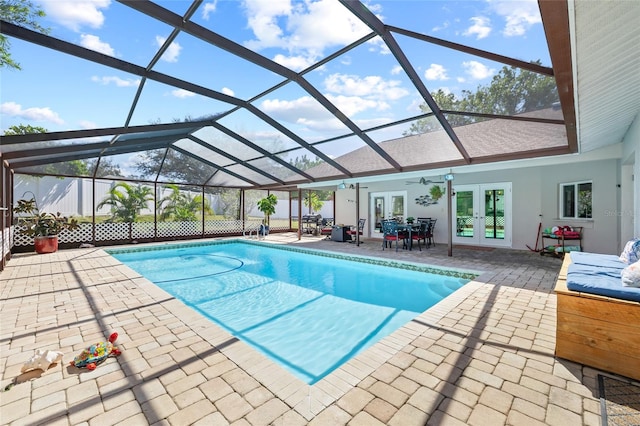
(482, 214)
(385, 205)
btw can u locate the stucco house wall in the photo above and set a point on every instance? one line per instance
(630, 182)
(534, 193)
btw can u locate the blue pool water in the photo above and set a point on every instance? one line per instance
(310, 313)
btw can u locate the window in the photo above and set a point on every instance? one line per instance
(575, 200)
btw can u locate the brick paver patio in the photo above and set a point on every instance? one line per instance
(483, 356)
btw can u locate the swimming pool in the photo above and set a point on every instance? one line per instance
(308, 310)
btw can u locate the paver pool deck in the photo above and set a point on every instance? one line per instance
(482, 356)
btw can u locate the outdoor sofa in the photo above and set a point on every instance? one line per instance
(598, 319)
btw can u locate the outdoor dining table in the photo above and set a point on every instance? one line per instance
(409, 228)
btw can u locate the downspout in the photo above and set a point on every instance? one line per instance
(358, 214)
(449, 221)
(299, 214)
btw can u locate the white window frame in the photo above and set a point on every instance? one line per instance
(575, 201)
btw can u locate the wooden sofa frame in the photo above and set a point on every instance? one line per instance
(597, 331)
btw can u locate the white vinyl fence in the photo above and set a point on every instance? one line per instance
(73, 197)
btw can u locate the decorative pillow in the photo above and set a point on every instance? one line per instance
(631, 252)
(631, 275)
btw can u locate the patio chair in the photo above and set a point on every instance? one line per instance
(391, 233)
(420, 234)
(326, 227)
(359, 230)
(430, 228)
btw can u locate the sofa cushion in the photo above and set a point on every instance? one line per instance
(600, 280)
(597, 259)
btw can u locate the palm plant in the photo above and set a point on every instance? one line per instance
(180, 206)
(267, 206)
(169, 204)
(127, 201)
(313, 201)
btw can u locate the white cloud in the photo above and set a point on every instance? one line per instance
(182, 94)
(441, 27)
(13, 109)
(228, 91)
(519, 16)
(322, 125)
(351, 94)
(75, 14)
(368, 123)
(307, 112)
(436, 72)
(377, 44)
(119, 82)
(296, 63)
(352, 105)
(480, 28)
(93, 42)
(371, 86)
(477, 71)
(414, 105)
(291, 111)
(304, 29)
(262, 18)
(86, 124)
(208, 9)
(396, 70)
(171, 54)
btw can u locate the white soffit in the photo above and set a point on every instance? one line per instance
(607, 70)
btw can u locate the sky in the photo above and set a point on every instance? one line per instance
(61, 92)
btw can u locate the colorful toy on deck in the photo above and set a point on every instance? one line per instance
(97, 353)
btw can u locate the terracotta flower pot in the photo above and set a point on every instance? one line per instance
(48, 244)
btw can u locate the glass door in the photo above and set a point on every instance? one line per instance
(386, 205)
(482, 214)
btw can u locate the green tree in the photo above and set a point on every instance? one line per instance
(181, 206)
(106, 167)
(67, 168)
(512, 91)
(175, 166)
(313, 201)
(24, 129)
(19, 12)
(446, 101)
(228, 202)
(267, 205)
(304, 163)
(127, 201)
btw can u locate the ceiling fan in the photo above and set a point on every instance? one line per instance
(423, 181)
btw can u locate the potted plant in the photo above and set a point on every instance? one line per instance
(43, 227)
(410, 220)
(267, 206)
